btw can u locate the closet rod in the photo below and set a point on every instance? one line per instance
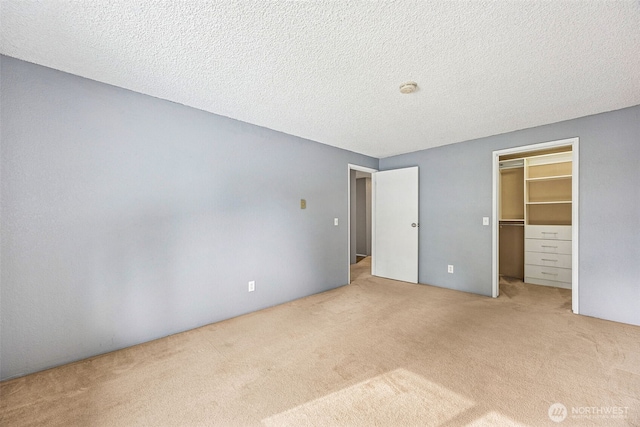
(512, 225)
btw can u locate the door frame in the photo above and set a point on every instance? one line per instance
(574, 143)
(351, 167)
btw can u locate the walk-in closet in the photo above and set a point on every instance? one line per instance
(535, 206)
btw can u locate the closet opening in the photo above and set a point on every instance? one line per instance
(536, 211)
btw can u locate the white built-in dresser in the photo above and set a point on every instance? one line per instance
(547, 227)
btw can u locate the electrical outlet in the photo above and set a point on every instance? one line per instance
(450, 269)
(252, 286)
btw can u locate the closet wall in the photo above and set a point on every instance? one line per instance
(511, 228)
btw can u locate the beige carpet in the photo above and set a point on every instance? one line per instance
(375, 352)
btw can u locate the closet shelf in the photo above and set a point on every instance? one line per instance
(549, 178)
(549, 207)
(550, 203)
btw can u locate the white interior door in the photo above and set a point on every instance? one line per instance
(395, 224)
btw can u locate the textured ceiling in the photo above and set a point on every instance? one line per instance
(330, 71)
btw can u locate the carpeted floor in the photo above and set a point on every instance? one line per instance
(375, 352)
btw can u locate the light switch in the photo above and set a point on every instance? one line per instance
(335, 221)
(303, 204)
(485, 220)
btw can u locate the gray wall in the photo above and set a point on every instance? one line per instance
(455, 193)
(127, 218)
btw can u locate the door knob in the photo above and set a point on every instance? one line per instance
(415, 225)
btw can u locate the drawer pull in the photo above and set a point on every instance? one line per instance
(550, 274)
(547, 259)
(549, 232)
(547, 246)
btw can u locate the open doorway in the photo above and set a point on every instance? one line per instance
(360, 220)
(362, 224)
(535, 206)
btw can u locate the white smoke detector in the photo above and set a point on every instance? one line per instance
(408, 87)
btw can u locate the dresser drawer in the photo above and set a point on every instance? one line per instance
(547, 232)
(544, 282)
(548, 273)
(548, 260)
(548, 246)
